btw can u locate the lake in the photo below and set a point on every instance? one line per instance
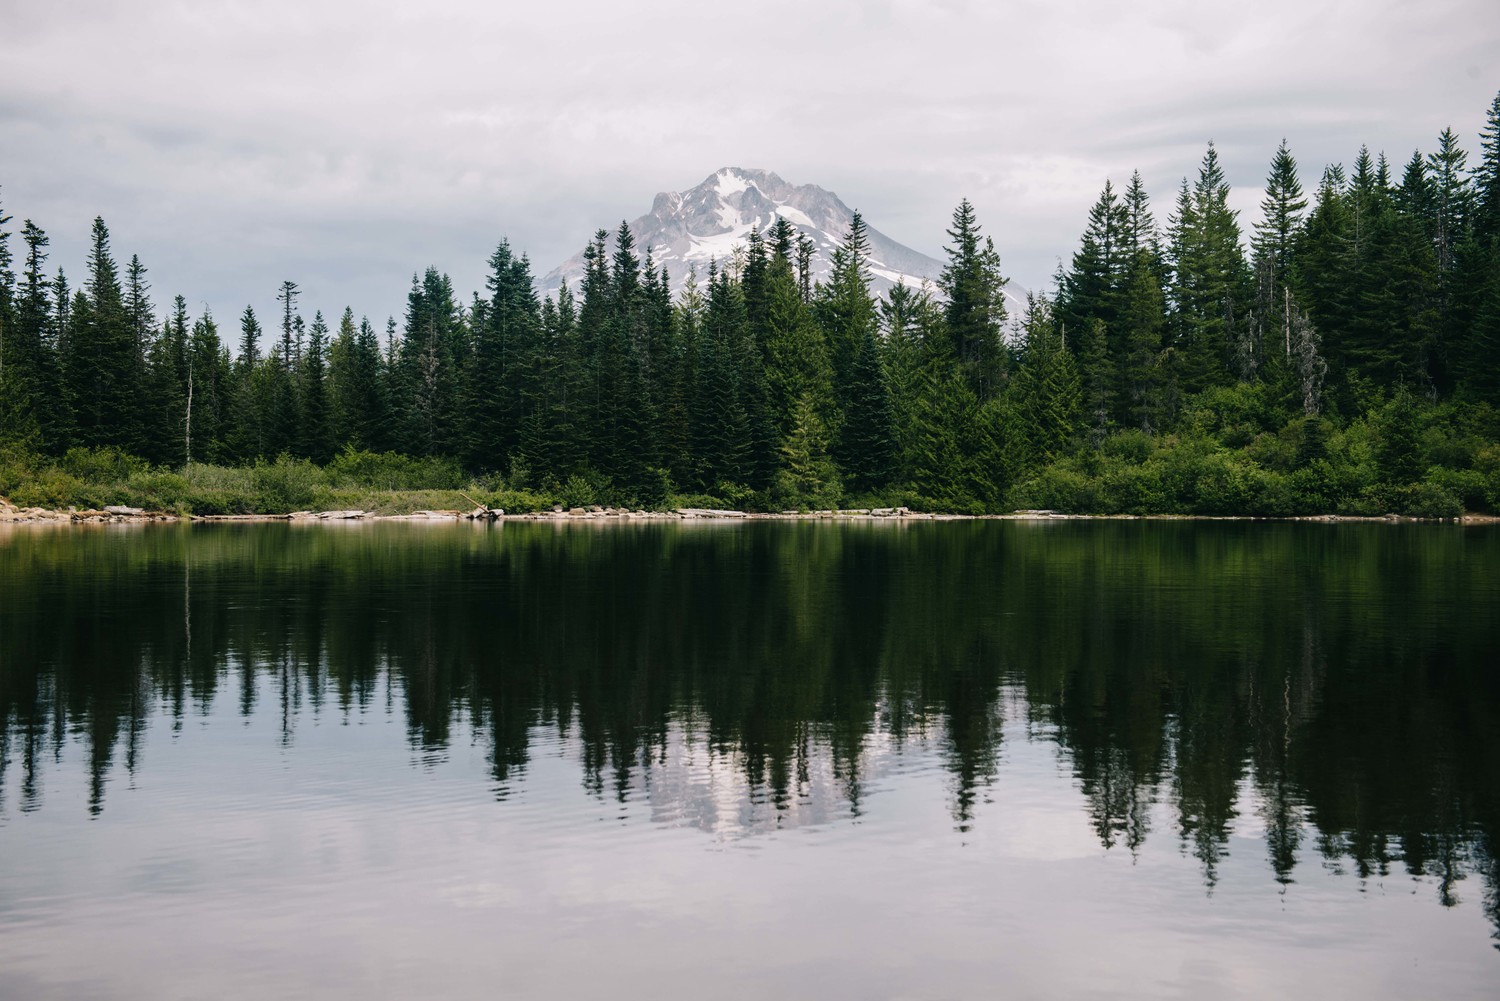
(968, 759)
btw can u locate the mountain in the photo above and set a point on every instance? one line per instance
(690, 228)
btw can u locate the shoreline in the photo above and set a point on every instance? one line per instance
(12, 515)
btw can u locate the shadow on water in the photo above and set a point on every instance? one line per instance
(1339, 683)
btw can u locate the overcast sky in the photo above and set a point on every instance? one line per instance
(345, 145)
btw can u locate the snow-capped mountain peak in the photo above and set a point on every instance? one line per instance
(689, 228)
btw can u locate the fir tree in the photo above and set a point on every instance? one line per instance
(166, 383)
(808, 477)
(1452, 198)
(1211, 281)
(245, 438)
(1097, 376)
(866, 450)
(845, 309)
(427, 369)
(102, 375)
(911, 322)
(797, 363)
(975, 311)
(356, 391)
(315, 439)
(1091, 288)
(1046, 389)
(1399, 453)
(207, 396)
(1281, 218)
(1486, 179)
(32, 409)
(1143, 324)
(719, 440)
(501, 380)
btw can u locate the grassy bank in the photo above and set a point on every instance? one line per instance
(1303, 470)
(381, 484)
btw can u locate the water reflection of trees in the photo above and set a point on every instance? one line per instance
(1344, 674)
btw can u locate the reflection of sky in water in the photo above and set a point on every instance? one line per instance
(747, 762)
(343, 862)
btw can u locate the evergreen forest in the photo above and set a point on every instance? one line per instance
(1342, 356)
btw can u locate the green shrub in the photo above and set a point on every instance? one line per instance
(392, 471)
(1470, 486)
(285, 485)
(655, 489)
(1426, 500)
(105, 464)
(1274, 451)
(17, 466)
(49, 488)
(1129, 446)
(1313, 490)
(159, 490)
(1133, 490)
(1277, 495)
(1057, 488)
(1487, 464)
(1224, 485)
(578, 491)
(518, 501)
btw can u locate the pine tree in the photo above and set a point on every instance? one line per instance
(720, 439)
(975, 311)
(1399, 453)
(1143, 392)
(315, 430)
(17, 418)
(1091, 287)
(911, 322)
(628, 447)
(1275, 235)
(165, 441)
(1211, 281)
(7, 288)
(287, 296)
(866, 448)
(502, 378)
(32, 409)
(1319, 272)
(944, 462)
(1097, 377)
(1452, 198)
(1140, 224)
(1475, 324)
(1046, 389)
(808, 477)
(797, 362)
(356, 391)
(427, 379)
(553, 444)
(7, 263)
(138, 306)
(845, 309)
(102, 375)
(208, 391)
(1487, 178)
(245, 437)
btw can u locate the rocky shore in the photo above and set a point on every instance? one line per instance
(10, 514)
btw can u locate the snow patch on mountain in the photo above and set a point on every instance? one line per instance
(688, 229)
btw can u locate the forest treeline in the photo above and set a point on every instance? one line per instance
(1346, 361)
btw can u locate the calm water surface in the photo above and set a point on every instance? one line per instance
(936, 760)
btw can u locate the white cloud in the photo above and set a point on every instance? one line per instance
(348, 145)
